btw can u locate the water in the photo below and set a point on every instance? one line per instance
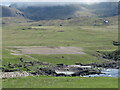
(64, 72)
(108, 73)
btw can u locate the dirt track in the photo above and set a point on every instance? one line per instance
(48, 50)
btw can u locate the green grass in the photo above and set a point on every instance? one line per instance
(68, 59)
(61, 82)
(72, 36)
(13, 59)
(90, 38)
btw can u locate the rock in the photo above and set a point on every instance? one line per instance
(60, 64)
(60, 31)
(21, 59)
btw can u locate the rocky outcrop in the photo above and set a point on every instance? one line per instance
(111, 55)
(13, 70)
(67, 70)
(23, 64)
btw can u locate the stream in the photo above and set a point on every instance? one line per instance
(107, 73)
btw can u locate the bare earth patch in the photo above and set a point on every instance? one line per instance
(48, 50)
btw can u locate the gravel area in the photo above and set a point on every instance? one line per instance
(47, 50)
(14, 74)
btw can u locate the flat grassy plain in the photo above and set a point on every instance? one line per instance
(78, 36)
(61, 82)
(89, 38)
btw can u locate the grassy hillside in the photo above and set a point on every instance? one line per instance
(51, 11)
(79, 21)
(13, 20)
(10, 12)
(105, 9)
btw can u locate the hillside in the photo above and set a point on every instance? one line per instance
(60, 14)
(48, 11)
(10, 12)
(105, 9)
(38, 12)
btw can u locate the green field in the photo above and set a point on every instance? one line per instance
(38, 38)
(61, 82)
(89, 38)
(79, 36)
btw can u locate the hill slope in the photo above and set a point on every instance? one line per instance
(54, 11)
(105, 9)
(11, 12)
(48, 11)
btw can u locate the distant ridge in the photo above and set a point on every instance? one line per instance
(52, 11)
(10, 12)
